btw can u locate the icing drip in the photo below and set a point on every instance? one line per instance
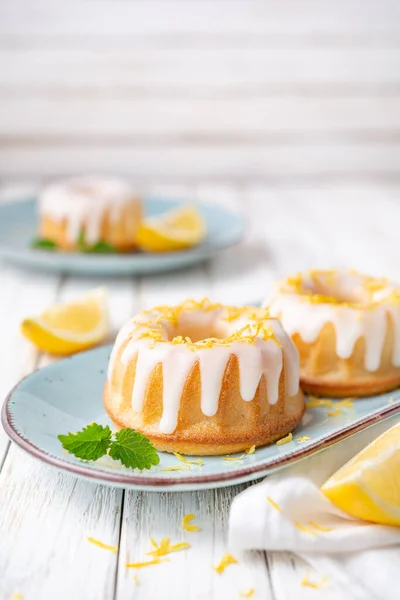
(365, 314)
(261, 347)
(82, 202)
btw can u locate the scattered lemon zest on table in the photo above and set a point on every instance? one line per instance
(232, 458)
(274, 504)
(176, 468)
(248, 594)
(148, 563)
(251, 450)
(17, 597)
(315, 585)
(187, 526)
(305, 438)
(109, 547)
(305, 529)
(319, 527)
(136, 579)
(194, 461)
(285, 440)
(166, 548)
(334, 413)
(225, 561)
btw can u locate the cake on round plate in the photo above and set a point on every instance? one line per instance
(346, 327)
(205, 379)
(89, 213)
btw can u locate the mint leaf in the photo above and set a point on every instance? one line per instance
(134, 450)
(89, 444)
(43, 244)
(102, 247)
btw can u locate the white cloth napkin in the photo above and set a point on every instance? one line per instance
(288, 512)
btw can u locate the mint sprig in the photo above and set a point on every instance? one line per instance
(43, 244)
(99, 247)
(130, 447)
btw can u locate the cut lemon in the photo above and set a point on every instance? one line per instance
(175, 230)
(368, 486)
(68, 328)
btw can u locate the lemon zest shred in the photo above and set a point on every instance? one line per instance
(233, 458)
(334, 413)
(274, 504)
(285, 440)
(225, 561)
(390, 400)
(164, 547)
(319, 527)
(313, 402)
(305, 529)
(194, 461)
(249, 594)
(17, 597)
(250, 450)
(187, 526)
(305, 438)
(136, 579)
(148, 563)
(315, 585)
(345, 403)
(109, 547)
(153, 543)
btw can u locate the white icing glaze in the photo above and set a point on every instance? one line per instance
(264, 357)
(363, 315)
(82, 201)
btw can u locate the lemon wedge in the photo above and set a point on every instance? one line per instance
(175, 230)
(68, 328)
(368, 486)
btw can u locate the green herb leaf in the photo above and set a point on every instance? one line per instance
(89, 444)
(44, 244)
(102, 248)
(134, 450)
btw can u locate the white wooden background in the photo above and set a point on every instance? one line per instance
(216, 89)
(46, 516)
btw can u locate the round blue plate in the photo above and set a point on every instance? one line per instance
(18, 228)
(67, 395)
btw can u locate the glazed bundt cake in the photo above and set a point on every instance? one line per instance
(202, 378)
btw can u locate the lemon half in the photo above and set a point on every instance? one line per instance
(368, 486)
(175, 230)
(68, 328)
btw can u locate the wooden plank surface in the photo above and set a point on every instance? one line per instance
(46, 516)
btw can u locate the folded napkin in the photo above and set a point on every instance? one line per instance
(288, 512)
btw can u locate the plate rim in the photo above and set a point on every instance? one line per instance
(100, 475)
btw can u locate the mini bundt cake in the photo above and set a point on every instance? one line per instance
(346, 327)
(205, 379)
(83, 213)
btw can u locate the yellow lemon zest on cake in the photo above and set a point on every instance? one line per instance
(285, 440)
(225, 561)
(164, 547)
(148, 563)
(251, 450)
(315, 585)
(233, 458)
(187, 526)
(153, 542)
(304, 528)
(249, 594)
(176, 468)
(189, 461)
(334, 413)
(319, 527)
(102, 545)
(274, 504)
(304, 438)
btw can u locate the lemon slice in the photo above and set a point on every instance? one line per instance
(178, 229)
(68, 328)
(368, 486)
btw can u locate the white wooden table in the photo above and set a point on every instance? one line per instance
(46, 516)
